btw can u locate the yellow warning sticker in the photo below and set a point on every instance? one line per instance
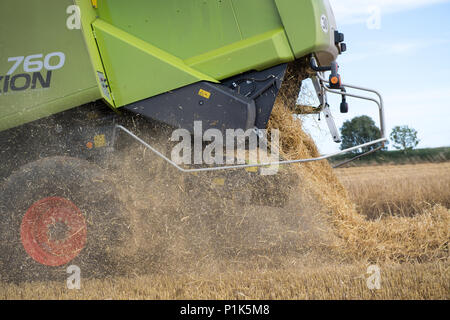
(204, 94)
(250, 169)
(99, 141)
(219, 181)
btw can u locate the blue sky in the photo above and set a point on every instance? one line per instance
(407, 59)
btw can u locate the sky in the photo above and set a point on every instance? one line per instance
(402, 49)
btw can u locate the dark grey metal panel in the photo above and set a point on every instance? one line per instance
(261, 86)
(215, 105)
(241, 102)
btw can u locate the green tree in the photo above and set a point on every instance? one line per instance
(358, 131)
(404, 138)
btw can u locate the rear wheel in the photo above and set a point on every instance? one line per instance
(57, 212)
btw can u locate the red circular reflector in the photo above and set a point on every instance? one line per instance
(53, 231)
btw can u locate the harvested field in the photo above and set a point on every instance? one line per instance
(403, 190)
(421, 238)
(318, 246)
(420, 281)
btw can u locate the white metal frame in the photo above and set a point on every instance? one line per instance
(323, 83)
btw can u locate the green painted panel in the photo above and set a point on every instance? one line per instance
(34, 31)
(173, 43)
(88, 17)
(136, 69)
(48, 108)
(257, 53)
(302, 22)
(183, 28)
(299, 20)
(256, 17)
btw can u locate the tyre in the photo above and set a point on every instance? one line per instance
(57, 212)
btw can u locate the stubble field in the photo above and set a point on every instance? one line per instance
(337, 227)
(393, 217)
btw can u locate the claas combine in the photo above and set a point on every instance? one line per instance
(78, 76)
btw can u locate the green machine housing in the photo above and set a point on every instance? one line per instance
(177, 61)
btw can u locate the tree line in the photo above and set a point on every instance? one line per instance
(362, 129)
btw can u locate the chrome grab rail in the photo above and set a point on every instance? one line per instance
(283, 162)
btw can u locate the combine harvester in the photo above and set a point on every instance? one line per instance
(218, 62)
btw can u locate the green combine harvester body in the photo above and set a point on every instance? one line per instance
(83, 82)
(63, 53)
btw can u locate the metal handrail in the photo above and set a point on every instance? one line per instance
(383, 138)
(242, 166)
(380, 103)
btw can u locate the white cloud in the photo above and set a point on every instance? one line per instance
(358, 11)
